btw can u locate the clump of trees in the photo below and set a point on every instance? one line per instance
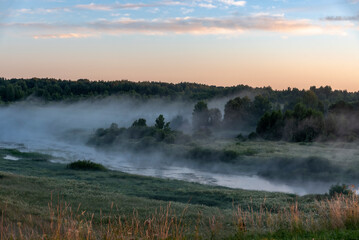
(202, 117)
(239, 114)
(342, 121)
(139, 123)
(305, 124)
(179, 123)
(138, 135)
(242, 113)
(300, 125)
(340, 189)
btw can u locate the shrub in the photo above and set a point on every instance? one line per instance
(86, 165)
(253, 136)
(338, 189)
(241, 138)
(139, 123)
(228, 156)
(146, 142)
(212, 155)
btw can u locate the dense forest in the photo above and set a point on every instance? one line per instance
(290, 115)
(54, 90)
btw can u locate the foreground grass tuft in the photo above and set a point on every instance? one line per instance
(86, 165)
(335, 218)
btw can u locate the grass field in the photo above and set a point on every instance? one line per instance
(39, 198)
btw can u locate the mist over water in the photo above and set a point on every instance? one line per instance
(62, 130)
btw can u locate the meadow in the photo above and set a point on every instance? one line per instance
(42, 199)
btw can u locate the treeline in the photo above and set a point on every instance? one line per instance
(244, 113)
(291, 114)
(305, 124)
(56, 90)
(308, 120)
(302, 124)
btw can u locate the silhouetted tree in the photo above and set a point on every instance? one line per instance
(214, 117)
(160, 122)
(200, 115)
(139, 123)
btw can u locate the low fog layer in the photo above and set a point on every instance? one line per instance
(62, 129)
(37, 120)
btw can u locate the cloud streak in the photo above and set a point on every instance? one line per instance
(204, 25)
(109, 7)
(204, 4)
(233, 3)
(184, 25)
(63, 36)
(342, 18)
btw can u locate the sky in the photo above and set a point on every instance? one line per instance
(277, 43)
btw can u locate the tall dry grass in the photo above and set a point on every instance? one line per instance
(64, 222)
(338, 213)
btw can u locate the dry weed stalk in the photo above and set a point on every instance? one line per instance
(340, 212)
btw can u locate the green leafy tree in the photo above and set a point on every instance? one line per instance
(261, 105)
(139, 123)
(215, 117)
(160, 122)
(200, 115)
(238, 113)
(270, 126)
(302, 124)
(9, 93)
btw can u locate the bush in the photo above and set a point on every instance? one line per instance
(338, 189)
(253, 136)
(228, 156)
(241, 138)
(139, 123)
(86, 165)
(212, 155)
(146, 143)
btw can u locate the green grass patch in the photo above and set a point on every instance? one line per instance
(25, 155)
(249, 152)
(288, 235)
(86, 165)
(27, 187)
(151, 187)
